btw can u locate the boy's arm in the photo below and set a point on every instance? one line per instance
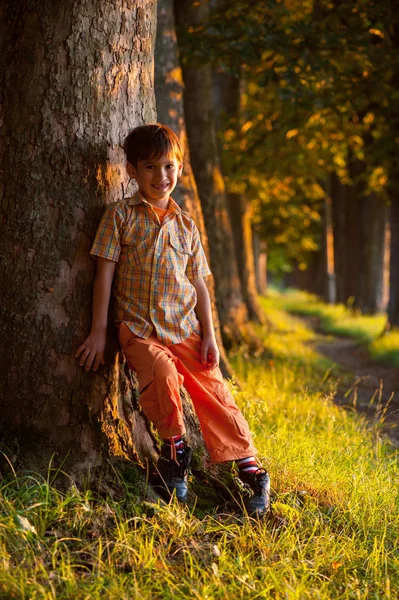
(91, 352)
(209, 350)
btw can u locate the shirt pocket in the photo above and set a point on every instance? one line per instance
(136, 247)
(179, 252)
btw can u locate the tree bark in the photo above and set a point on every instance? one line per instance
(228, 108)
(240, 217)
(77, 77)
(205, 160)
(346, 232)
(359, 242)
(393, 305)
(169, 96)
(393, 173)
(314, 277)
(329, 287)
(260, 259)
(371, 283)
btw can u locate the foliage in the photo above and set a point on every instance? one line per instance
(334, 485)
(319, 91)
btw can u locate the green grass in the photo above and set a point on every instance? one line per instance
(386, 348)
(334, 489)
(340, 320)
(336, 319)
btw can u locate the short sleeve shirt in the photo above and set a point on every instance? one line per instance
(155, 263)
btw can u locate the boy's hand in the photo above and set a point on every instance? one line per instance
(91, 352)
(209, 352)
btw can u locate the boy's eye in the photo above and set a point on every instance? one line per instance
(170, 166)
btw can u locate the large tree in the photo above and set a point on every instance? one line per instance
(359, 223)
(205, 159)
(77, 75)
(227, 102)
(393, 163)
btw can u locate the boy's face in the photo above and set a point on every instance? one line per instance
(156, 178)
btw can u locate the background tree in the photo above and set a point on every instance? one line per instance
(228, 108)
(169, 91)
(325, 66)
(205, 159)
(392, 109)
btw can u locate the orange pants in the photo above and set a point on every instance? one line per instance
(161, 370)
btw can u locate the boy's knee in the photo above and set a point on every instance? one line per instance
(164, 367)
(166, 376)
(161, 373)
(160, 398)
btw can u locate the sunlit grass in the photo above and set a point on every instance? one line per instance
(334, 487)
(386, 348)
(340, 320)
(336, 319)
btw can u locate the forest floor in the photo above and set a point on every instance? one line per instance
(367, 386)
(334, 526)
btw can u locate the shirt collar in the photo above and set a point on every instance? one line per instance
(138, 198)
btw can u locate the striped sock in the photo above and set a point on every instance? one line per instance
(175, 444)
(247, 465)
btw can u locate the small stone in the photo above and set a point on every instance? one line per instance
(215, 550)
(25, 524)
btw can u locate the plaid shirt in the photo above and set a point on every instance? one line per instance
(155, 263)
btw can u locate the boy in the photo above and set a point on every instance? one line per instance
(150, 250)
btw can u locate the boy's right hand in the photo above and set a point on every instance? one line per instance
(91, 352)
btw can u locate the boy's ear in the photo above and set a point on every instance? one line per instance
(131, 171)
(180, 170)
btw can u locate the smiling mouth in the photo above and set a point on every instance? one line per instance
(160, 187)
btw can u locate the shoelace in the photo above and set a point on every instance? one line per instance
(180, 465)
(259, 476)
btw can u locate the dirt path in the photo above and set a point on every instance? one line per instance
(369, 387)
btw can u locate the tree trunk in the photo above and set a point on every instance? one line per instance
(329, 287)
(393, 306)
(260, 256)
(393, 172)
(346, 233)
(315, 281)
(359, 241)
(374, 216)
(240, 217)
(337, 193)
(371, 222)
(77, 77)
(387, 262)
(169, 97)
(200, 121)
(227, 106)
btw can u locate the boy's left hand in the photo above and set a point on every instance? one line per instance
(209, 352)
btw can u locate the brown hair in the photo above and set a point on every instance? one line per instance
(150, 142)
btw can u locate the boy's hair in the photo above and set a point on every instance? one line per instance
(150, 142)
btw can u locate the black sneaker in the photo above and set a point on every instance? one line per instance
(258, 504)
(174, 472)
